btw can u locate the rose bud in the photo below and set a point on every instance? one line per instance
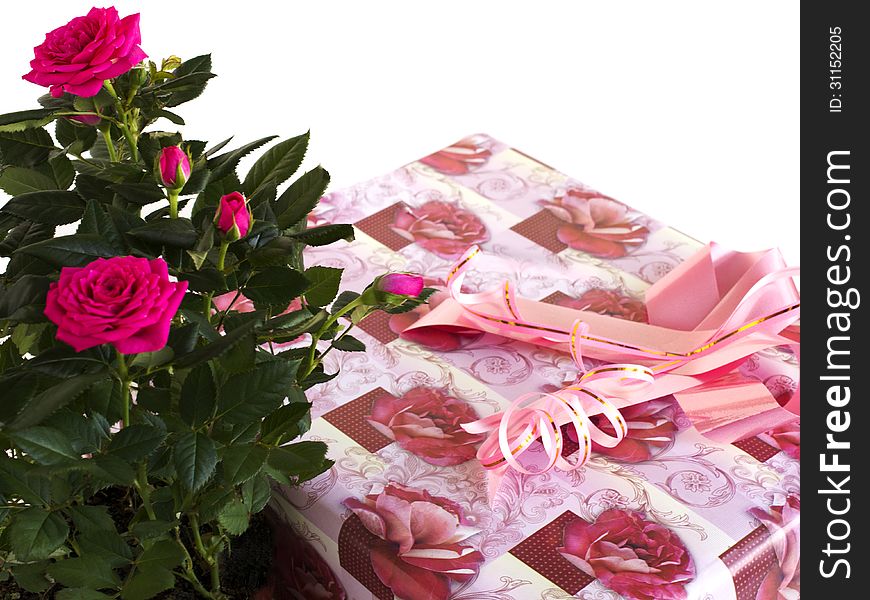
(401, 284)
(233, 218)
(392, 288)
(174, 167)
(85, 119)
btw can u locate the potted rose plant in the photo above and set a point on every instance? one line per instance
(158, 326)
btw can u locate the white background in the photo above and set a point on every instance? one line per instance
(687, 111)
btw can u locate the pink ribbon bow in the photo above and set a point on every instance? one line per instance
(706, 317)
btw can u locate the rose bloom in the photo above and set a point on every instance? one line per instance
(460, 158)
(783, 522)
(171, 160)
(426, 422)
(79, 56)
(440, 227)
(441, 339)
(421, 551)
(636, 558)
(233, 213)
(651, 428)
(125, 301)
(608, 302)
(595, 224)
(400, 284)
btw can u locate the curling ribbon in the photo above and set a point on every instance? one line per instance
(707, 316)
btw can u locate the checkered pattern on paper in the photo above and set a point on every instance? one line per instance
(698, 488)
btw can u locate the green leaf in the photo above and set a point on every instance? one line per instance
(80, 594)
(240, 463)
(256, 493)
(31, 576)
(324, 283)
(189, 80)
(107, 546)
(301, 197)
(149, 360)
(96, 221)
(91, 519)
(198, 396)
(140, 194)
(18, 180)
(22, 294)
(53, 207)
(226, 163)
(250, 395)
(302, 460)
(149, 530)
(277, 164)
(24, 234)
(217, 348)
(53, 399)
(324, 235)
(176, 233)
(84, 572)
(111, 470)
(147, 583)
(195, 459)
(35, 533)
(46, 445)
(289, 421)
(348, 343)
(135, 442)
(203, 245)
(71, 250)
(77, 139)
(164, 553)
(62, 171)
(275, 286)
(235, 517)
(25, 148)
(26, 119)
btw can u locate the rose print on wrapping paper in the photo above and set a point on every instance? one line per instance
(427, 423)
(787, 438)
(300, 573)
(783, 523)
(435, 338)
(651, 428)
(636, 558)
(465, 155)
(594, 223)
(443, 228)
(608, 302)
(420, 551)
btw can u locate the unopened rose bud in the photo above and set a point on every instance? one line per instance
(233, 218)
(174, 167)
(400, 284)
(85, 119)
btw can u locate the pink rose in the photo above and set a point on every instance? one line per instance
(174, 167)
(89, 120)
(421, 550)
(440, 227)
(125, 301)
(783, 522)
(788, 438)
(594, 223)
(636, 558)
(301, 573)
(651, 428)
(426, 422)
(460, 158)
(78, 57)
(233, 218)
(400, 284)
(444, 340)
(608, 302)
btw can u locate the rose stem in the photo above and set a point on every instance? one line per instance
(124, 375)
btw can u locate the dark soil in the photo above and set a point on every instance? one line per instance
(245, 568)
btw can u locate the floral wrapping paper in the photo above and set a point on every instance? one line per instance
(404, 512)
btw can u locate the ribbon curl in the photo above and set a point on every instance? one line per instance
(706, 317)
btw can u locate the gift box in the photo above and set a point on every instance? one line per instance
(408, 510)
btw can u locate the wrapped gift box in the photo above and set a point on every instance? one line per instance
(391, 415)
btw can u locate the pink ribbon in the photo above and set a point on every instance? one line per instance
(706, 317)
